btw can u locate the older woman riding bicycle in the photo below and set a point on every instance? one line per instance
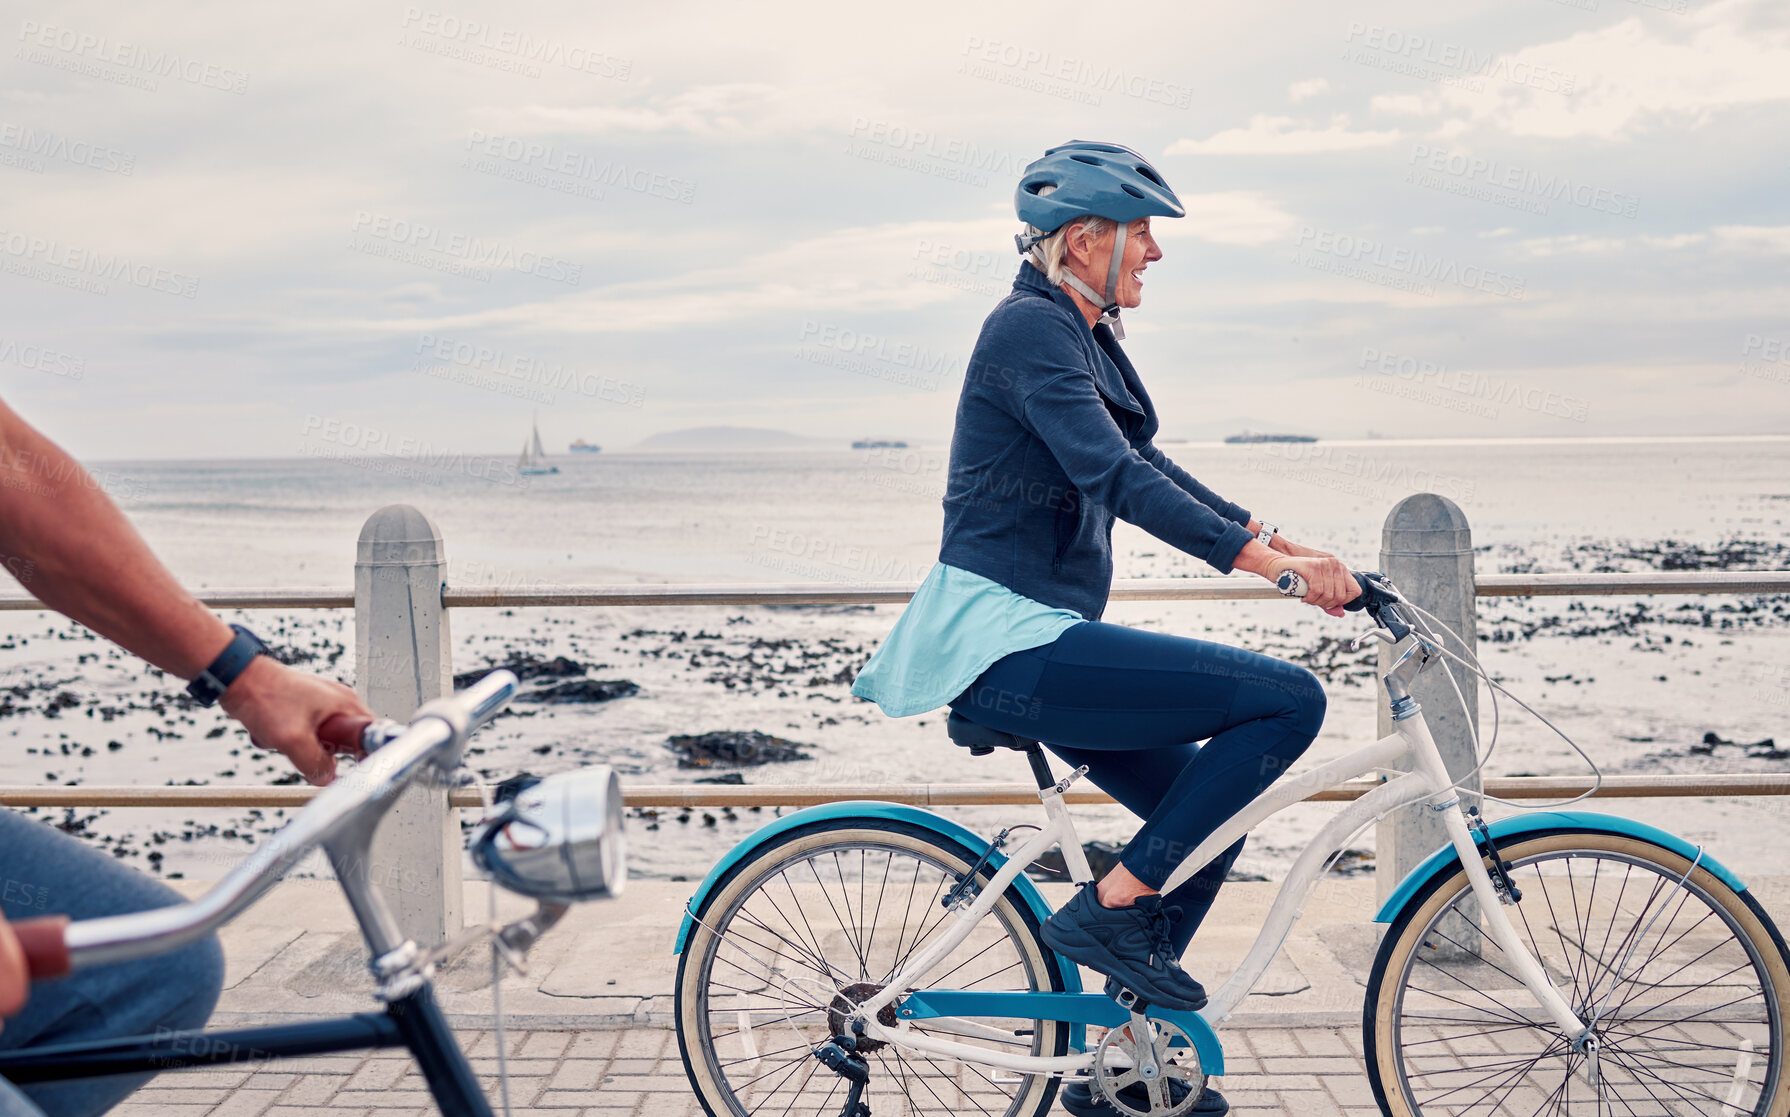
(1052, 442)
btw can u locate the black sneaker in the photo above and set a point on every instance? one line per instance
(1132, 945)
(1080, 1098)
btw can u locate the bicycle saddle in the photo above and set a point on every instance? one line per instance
(980, 739)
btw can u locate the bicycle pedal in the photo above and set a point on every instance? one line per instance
(1126, 998)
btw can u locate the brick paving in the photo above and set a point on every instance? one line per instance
(1273, 1072)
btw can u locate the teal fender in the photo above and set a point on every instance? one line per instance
(866, 808)
(1445, 859)
(1072, 1005)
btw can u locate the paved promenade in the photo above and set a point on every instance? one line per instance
(1275, 1072)
(588, 1028)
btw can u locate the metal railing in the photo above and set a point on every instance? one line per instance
(1234, 588)
(402, 659)
(925, 795)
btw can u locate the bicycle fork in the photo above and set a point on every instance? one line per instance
(1492, 900)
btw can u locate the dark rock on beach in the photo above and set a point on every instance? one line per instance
(1766, 749)
(510, 788)
(525, 667)
(581, 690)
(575, 689)
(733, 747)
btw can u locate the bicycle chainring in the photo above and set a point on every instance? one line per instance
(1116, 1064)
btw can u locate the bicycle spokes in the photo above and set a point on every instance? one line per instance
(1682, 1008)
(814, 936)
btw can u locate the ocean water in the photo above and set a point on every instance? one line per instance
(874, 515)
(1635, 680)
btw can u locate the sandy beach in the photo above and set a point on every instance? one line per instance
(1637, 681)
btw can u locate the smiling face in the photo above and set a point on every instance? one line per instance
(1141, 250)
(1090, 257)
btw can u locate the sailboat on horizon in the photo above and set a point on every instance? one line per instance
(533, 462)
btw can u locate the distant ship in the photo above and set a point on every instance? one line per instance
(878, 444)
(1250, 436)
(533, 462)
(583, 447)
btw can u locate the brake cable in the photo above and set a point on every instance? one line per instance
(1471, 663)
(497, 960)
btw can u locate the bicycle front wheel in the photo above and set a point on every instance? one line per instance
(818, 921)
(1688, 985)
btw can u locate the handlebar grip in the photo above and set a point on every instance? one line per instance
(46, 950)
(1293, 584)
(342, 733)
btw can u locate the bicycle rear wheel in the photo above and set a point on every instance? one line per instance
(819, 920)
(1689, 987)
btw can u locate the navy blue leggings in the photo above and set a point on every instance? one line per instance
(1133, 706)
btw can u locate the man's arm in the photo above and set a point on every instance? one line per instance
(71, 547)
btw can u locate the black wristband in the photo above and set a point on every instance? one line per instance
(212, 682)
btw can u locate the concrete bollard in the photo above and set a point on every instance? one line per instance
(402, 659)
(1427, 551)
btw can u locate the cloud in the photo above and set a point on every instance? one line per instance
(1405, 104)
(1282, 135)
(853, 270)
(1229, 217)
(1634, 76)
(731, 111)
(1573, 244)
(1743, 238)
(1768, 238)
(1304, 90)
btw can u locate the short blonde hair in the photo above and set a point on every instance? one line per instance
(1047, 255)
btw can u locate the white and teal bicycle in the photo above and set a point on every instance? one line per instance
(868, 957)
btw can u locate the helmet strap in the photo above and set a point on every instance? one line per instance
(1109, 305)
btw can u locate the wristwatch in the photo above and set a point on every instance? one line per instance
(1267, 533)
(212, 682)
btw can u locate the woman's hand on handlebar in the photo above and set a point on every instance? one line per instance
(286, 711)
(1329, 583)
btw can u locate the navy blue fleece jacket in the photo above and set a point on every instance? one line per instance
(1052, 442)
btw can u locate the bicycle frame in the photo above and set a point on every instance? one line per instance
(414, 1021)
(1426, 782)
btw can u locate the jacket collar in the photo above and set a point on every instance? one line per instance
(1107, 377)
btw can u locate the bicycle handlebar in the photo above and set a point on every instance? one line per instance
(1378, 596)
(396, 757)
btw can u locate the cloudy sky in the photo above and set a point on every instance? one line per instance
(223, 228)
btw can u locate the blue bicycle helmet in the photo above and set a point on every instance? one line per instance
(1104, 180)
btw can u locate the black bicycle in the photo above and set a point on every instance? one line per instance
(558, 841)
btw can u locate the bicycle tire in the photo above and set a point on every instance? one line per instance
(1638, 1077)
(834, 838)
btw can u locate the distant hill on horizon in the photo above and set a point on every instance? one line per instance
(1217, 430)
(728, 438)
